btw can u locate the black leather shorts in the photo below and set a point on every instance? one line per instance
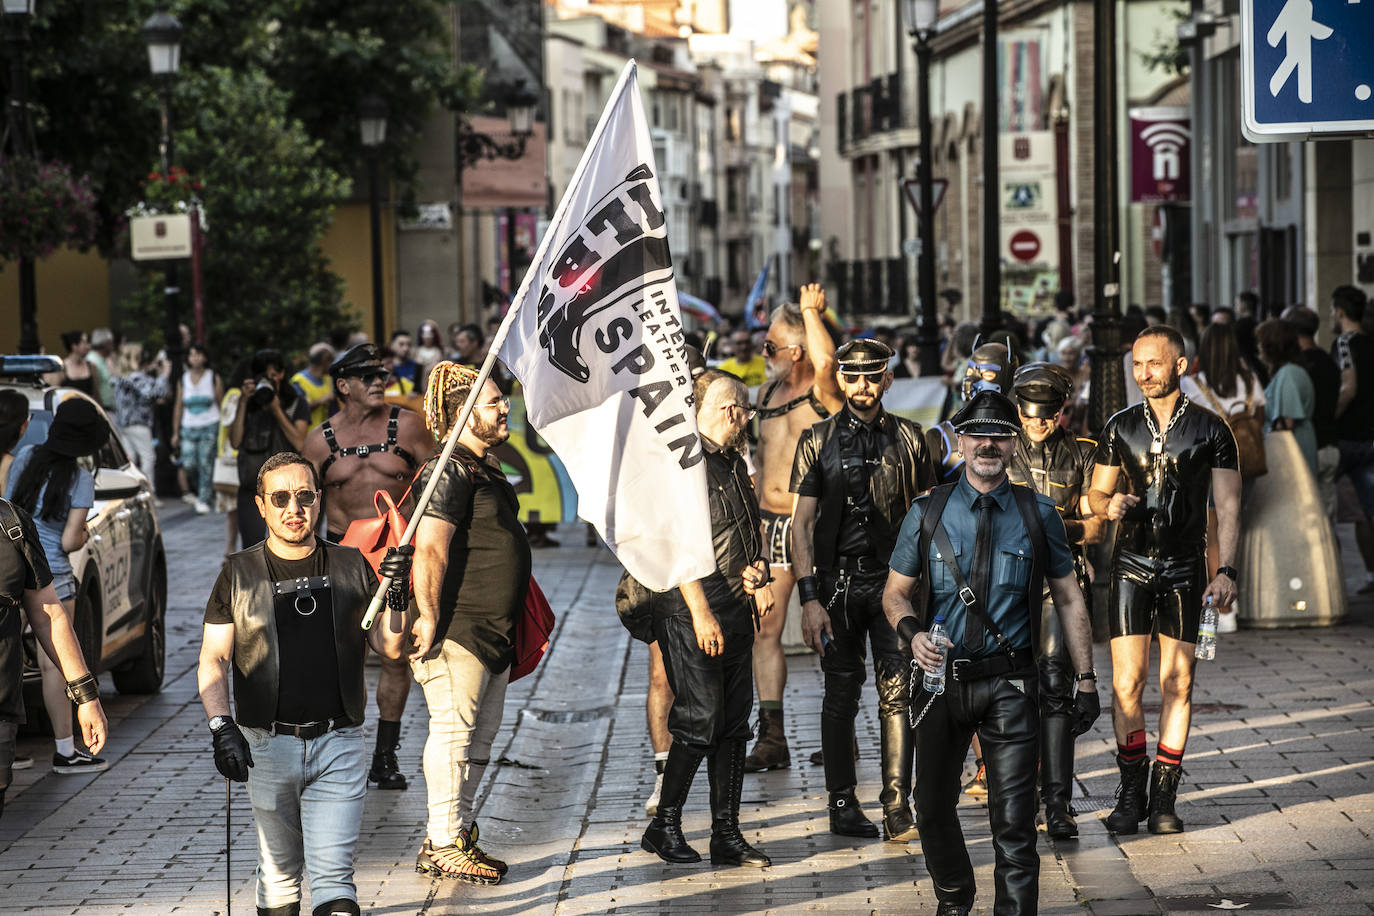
(1148, 593)
(777, 539)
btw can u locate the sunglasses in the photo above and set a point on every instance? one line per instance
(369, 376)
(771, 349)
(749, 412)
(499, 404)
(282, 498)
(852, 378)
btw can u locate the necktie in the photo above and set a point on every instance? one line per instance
(974, 631)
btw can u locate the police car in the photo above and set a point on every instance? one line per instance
(121, 599)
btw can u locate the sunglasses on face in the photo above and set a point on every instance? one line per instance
(771, 349)
(369, 376)
(282, 498)
(749, 412)
(499, 404)
(852, 378)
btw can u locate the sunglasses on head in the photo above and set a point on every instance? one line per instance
(282, 498)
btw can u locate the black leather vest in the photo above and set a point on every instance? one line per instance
(256, 658)
(903, 472)
(1061, 468)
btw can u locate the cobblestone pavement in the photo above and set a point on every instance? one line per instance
(1278, 796)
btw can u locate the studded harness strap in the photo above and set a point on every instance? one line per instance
(362, 451)
(768, 413)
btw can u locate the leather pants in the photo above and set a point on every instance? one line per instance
(712, 697)
(1056, 711)
(1004, 712)
(856, 612)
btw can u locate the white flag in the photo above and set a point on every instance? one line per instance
(595, 337)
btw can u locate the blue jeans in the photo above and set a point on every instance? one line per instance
(1357, 460)
(308, 806)
(198, 458)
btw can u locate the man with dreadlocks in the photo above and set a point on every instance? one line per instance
(472, 568)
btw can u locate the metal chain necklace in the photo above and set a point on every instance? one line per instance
(1156, 437)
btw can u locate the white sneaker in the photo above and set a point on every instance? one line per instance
(651, 806)
(202, 508)
(1227, 623)
(189, 499)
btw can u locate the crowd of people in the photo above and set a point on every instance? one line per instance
(965, 548)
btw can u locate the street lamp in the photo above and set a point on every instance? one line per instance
(920, 18)
(372, 112)
(471, 147)
(162, 34)
(17, 13)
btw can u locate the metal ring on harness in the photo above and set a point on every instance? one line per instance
(303, 592)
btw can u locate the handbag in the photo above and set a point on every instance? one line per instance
(1248, 430)
(533, 629)
(373, 536)
(226, 476)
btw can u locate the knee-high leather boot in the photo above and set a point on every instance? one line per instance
(1056, 776)
(899, 749)
(846, 818)
(664, 835)
(726, 771)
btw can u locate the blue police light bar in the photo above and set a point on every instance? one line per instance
(28, 366)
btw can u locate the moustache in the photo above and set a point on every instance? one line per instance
(987, 452)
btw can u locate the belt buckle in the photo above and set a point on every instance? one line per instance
(967, 596)
(956, 667)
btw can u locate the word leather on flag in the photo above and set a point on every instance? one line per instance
(595, 338)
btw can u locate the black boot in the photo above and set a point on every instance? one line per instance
(728, 846)
(286, 909)
(1163, 790)
(846, 819)
(664, 835)
(385, 771)
(1132, 803)
(1056, 776)
(898, 749)
(770, 751)
(341, 907)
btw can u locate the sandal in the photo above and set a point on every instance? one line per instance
(470, 839)
(455, 861)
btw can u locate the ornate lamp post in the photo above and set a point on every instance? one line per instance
(920, 18)
(1107, 392)
(162, 34)
(17, 14)
(372, 113)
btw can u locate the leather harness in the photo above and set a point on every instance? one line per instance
(362, 451)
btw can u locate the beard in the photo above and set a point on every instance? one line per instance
(861, 402)
(985, 471)
(738, 439)
(1161, 388)
(489, 432)
(775, 371)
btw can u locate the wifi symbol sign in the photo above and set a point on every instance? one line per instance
(1166, 141)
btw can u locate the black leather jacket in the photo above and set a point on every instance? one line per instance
(903, 472)
(1061, 468)
(256, 659)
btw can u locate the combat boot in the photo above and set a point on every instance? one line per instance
(386, 771)
(286, 909)
(728, 845)
(341, 907)
(1163, 791)
(663, 837)
(770, 751)
(1132, 802)
(847, 819)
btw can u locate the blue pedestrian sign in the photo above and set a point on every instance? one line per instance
(1307, 68)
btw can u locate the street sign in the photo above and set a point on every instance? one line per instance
(912, 188)
(1307, 68)
(1024, 245)
(912, 248)
(160, 238)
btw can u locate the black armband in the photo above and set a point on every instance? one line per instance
(83, 689)
(907, 628)
(808, 589)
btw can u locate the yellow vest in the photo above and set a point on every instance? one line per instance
(313, 391)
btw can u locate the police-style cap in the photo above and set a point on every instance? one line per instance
(1041, 388)
(987, 414)
(356, 361)
(863, 357)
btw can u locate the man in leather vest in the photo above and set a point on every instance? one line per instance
(1052, 462)
(705, 630)
(1173, 453)
(979, 550)
(855, 475)
(801, 390)
(286, 614)
(366, 446)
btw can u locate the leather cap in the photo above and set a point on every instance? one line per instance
(1041, 389)
(987, 414)
(356, 360)
(863, 357)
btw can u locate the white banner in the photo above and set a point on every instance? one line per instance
(595, 337)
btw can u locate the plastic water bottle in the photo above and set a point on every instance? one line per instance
(1207, 632)
(935, 682)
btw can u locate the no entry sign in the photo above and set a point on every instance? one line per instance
(1024, 245)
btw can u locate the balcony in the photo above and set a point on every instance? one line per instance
(876, 287)
(872, 112)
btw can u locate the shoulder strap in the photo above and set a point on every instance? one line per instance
(930, 518)
(1216, 405)
(13, 528)
(817, 405)
(940, 538)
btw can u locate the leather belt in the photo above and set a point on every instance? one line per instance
(310, 729)
(867, 563)
(977, 669)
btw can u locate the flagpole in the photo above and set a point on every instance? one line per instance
(498, 339)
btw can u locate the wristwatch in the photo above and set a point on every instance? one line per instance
(1229, 572)
(1089, 675)
(218, 722)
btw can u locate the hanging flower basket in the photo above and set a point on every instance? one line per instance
(42, 208)
(169, 193)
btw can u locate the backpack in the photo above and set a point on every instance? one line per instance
(1247, 427)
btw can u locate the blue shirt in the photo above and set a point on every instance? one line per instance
(1011, 562)
(82, 496)
(1290, 395)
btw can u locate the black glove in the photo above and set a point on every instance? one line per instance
(396, 564)
(1086, 709)
(232, 757)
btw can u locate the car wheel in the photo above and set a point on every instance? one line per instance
(87, 623)
(144, 674)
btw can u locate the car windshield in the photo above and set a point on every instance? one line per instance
(111, 455)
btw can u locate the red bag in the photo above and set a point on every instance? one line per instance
(372, 536)
(532, 632)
